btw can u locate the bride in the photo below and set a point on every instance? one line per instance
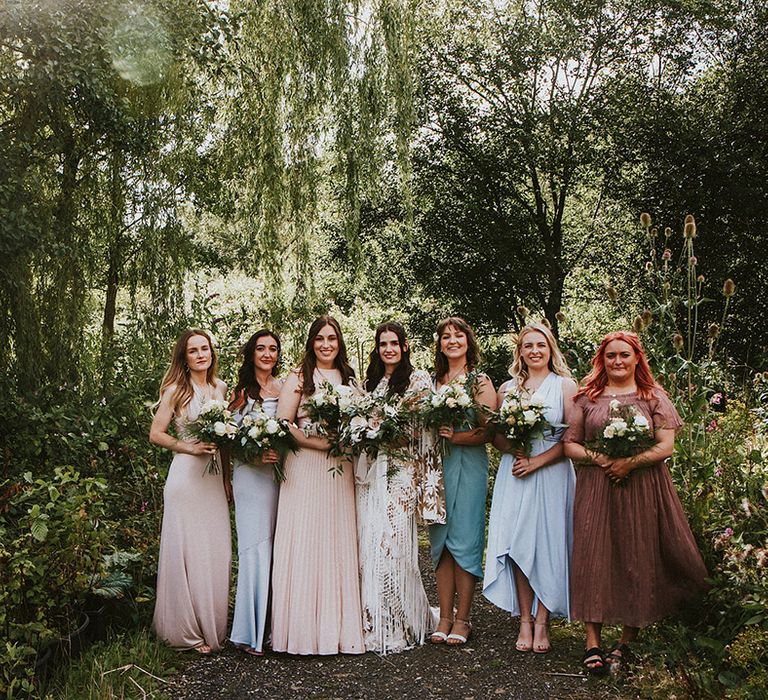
(390, 491)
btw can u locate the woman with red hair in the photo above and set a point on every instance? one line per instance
(634, 557)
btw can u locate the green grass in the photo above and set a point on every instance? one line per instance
(126, 666)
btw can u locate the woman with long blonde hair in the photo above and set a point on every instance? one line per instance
(530, 531)
(194, 561)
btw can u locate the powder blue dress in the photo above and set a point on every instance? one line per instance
(255, 493)
(465, 473)
(531, 521)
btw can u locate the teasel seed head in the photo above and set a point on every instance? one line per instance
(637, 325)
(713, 331)
(693, 261)
(613, 295)
(647, 317)
(689, 230)
(523, 311)
(545, 322)
(667, 254)
(645, 220)
(729, 288)
(677, 342)
(667, 232)
(649, 266)
(700, 279)
(560, 316)
(654, 232)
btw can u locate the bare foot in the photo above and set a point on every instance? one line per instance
(203, 649)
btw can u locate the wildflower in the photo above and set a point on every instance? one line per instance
(762, 557)
(689, 231)
(718, 472)
(728, 532)
(560, 316)
(523, 311)
(613, 295)
(645, 220)
(677, 342)
(710, 428)
(143, 506)
(745, 506)
(729, 288)
(700, 279)
(667, 254)
(693, 261)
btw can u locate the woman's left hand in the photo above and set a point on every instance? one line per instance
(619, 469)
(447, 432)
(524, 466)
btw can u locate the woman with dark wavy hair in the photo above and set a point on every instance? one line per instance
(634, 557)
(457, 545)
(255, 494)
(315, 577)
(391, 489)
(193, 567)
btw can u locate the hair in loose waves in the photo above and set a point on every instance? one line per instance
(557, 364)
(247, 384)
(309, 361)
(178, 373)
(594, 383)
(401, 377)
(473, 349)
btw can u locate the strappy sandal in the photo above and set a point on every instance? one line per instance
(438, 637)
(456, 640)
(591, 658)
(541, 649)
(521, 646)
(619, 661)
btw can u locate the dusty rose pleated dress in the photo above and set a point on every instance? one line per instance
(634, 557)
(315, 578)
(195, 552)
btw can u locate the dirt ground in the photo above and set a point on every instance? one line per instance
(487, 667)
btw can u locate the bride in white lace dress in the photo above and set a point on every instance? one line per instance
(391, 491)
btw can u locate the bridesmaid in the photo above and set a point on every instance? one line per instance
(195, 546)
(634, 556)
(396, 612)
(530, 531)
(255, 493)
(457, 546)
(315, 578)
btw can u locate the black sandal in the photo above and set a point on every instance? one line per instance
(618, 662)
(594, 669)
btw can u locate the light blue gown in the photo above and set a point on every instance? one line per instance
(255, 493)
(465, 473)
(531, 523)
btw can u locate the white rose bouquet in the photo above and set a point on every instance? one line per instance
(259, 432)
(324, 409)
(370, 424)
(213, 424)
(520, 419)
(448, 405)
(626, 433)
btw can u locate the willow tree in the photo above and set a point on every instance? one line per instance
(118, 119)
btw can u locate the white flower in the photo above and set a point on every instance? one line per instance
(319, 399)
(253, 433)
(358, 423)
(620, 426)
(345, 403)
(372, 434)
(609, 431)
(451, 402)
(436, 400)
(464, 400)
(344, 390)
(272, 426)
(529, 417)
(615, 404)
(230, 429)
(641, 421)
(537, 400)
(390, 411)
(219, 428)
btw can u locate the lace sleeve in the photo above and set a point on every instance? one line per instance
(420, 381)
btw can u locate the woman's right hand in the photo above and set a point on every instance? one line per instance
(201, 448)
(269, 457)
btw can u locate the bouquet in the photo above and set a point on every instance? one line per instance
(324, 409)
(259, 432)
(626, 433)
(521, 420)
(213, 424)
(448, 405)
(371, 424)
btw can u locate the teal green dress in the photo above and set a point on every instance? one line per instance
(465, 473)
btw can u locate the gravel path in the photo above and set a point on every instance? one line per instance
(487, 667)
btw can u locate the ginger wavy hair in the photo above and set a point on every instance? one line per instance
(557, 364)
(594, 383)
(177, 375)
